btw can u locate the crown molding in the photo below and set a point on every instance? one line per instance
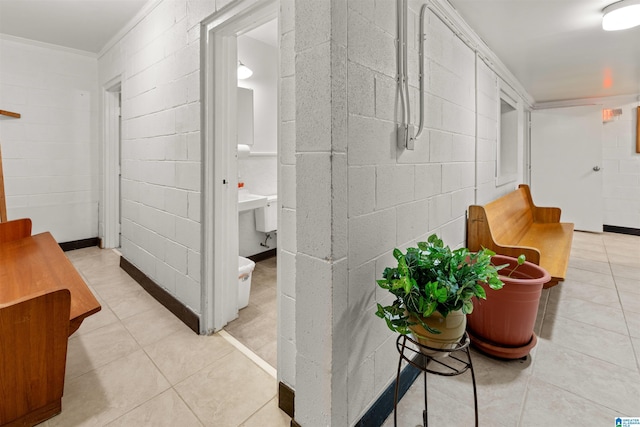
(452, 19)
(142, 13)
(603, 100)
(43, 45)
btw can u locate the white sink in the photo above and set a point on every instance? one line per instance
(248, 201)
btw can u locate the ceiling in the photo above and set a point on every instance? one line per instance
(79, 24)
(557, 48)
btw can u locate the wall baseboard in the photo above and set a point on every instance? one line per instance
(622, 230)
(181, 311)
(79, 244)
(377, 413)
(286, 399)
(263, 255)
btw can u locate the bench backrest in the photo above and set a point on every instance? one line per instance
(510, 216)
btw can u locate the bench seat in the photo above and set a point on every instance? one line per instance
(512, 225)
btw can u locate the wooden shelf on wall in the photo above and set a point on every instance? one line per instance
(10, 114)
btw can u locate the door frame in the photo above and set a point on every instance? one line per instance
(111, 93)
(219, 201)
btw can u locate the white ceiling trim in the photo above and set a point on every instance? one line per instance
(45, 45)
(459, 26)
(604, 100)
(142, 13)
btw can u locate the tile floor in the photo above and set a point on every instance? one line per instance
(135, 364)
(256, 325)
(585, 369)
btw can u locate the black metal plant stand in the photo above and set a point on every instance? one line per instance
(434, 363)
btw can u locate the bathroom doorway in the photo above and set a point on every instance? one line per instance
(258, 73)
(220, 222)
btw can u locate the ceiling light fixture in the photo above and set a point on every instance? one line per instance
(244, 72)
(621, 15)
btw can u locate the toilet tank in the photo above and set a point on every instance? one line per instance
(267, 217)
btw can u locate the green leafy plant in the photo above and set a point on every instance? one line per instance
(431, 277)
(521, 260)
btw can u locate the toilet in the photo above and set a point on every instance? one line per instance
(267, 217)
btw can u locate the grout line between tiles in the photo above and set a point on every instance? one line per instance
(250, 354)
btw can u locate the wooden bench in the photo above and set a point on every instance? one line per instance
(43, 300)
(512, 225)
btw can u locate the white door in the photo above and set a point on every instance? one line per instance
(566, 157)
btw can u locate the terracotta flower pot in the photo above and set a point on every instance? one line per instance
(502, 325)
(452, 329)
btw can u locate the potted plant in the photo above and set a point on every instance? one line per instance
(434, 288)
(502, 325)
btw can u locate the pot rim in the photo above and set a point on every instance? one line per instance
(544, 275)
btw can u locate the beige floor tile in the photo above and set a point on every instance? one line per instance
(136, 301)
(102, 318)
(608, 384)
(577, 276)
(633, 323)
(547, 405)
(104, 394)
(269, 415)
(97, 348)
(184, 353)
(229, 391)
(625, 271)
(442, 410)
(109, 278)
(152, 325)
(589, 340)
(93, 258)
(609, 318)
(589, 265)
(630, 301)
(165, 410)
(584, 291)
(628, 285)
(589, 253)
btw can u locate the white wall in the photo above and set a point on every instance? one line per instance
(621, 167)
(358, 196)
(158, 63)
(51, 154)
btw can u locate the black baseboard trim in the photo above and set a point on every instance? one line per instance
(79, 244)
(383, 406)
(263, 255)
(181, 311)
(622, 230)
(286, 399)
(377, 413)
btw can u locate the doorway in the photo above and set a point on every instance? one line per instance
(112, 164)
(220, 229)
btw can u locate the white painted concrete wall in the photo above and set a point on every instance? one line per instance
(358, 196)
(51, 154)
(287, 227)
(621, 167)
(158, 62)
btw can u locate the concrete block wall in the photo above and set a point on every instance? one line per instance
(158, 64)
(358, 196)
(51, 154)
(621, 167)
(286, 237)
(398, 197)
